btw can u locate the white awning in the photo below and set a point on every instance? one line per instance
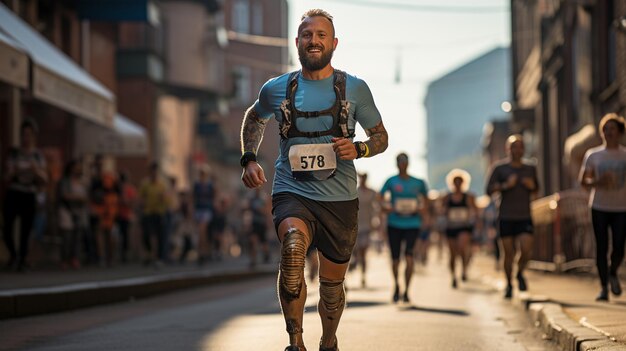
(56, 78)
(127, 138)
(13, 62)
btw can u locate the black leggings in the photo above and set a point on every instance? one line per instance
(18, 204)
(602, 220)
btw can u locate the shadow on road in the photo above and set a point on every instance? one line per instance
(478, 290)
(435, 310)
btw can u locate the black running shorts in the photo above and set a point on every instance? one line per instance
(332, 223)
(397, 236)
(513, 228)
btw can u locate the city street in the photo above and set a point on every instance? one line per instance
(246, 316)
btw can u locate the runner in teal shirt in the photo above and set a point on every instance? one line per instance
(409, 200)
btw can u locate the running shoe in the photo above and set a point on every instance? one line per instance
(616, 288)
(603, 295)
(521, 282)
(508, 293)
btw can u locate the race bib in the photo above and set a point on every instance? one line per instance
(405, 206)
(458, 214)
(312, 161)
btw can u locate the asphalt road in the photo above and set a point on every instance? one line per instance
(246, 316)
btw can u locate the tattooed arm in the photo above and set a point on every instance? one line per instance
(378, 140)
(252, 130)
(376, 143)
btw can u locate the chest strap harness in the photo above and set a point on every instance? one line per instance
(339, 110)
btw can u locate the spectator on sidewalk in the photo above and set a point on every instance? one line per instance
(217, 228)
(153, 200)
(185, 236)
(516, 182)
(126, 213)
(203, 202)
(25, 174)
(408, 213)
(259, 207)
(172, 216)
(73, 213)
(108, 215)
(96, 208)
(461, 215)
(604, 173)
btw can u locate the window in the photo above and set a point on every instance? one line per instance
(241, 16)
(611, 50)
(257, 18)
(242, 76)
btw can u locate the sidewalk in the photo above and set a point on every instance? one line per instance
(54, 290)
(564, 307)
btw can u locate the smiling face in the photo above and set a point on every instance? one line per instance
(316, 43)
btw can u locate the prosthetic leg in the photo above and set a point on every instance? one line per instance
(330, 307)
(292, 286)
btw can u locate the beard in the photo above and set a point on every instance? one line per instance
(311, 63)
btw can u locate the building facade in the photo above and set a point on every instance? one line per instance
(458, 105)
(257, 50)
(569, 70)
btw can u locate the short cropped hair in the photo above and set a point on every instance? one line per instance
(513, 138)
(402, 157)
(619, 120)
(29, 123)
(316, 13)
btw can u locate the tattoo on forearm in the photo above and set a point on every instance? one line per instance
(252, 130)
(378, 139)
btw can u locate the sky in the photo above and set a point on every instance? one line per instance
(417, 41)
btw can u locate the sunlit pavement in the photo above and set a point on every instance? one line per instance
(473, 317)
(246, 316)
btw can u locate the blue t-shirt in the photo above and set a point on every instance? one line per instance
(403, 189)
(317, 95)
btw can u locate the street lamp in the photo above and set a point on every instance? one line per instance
(506, 106)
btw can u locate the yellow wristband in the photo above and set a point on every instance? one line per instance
(367, 150)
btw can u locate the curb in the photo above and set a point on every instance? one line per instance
(34, 301)
(568, 334)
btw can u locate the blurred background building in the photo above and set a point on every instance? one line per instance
(139, 81)
(569, 69)
(458, 105)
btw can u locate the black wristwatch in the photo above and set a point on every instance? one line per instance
(247, 157)
(361, 149)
